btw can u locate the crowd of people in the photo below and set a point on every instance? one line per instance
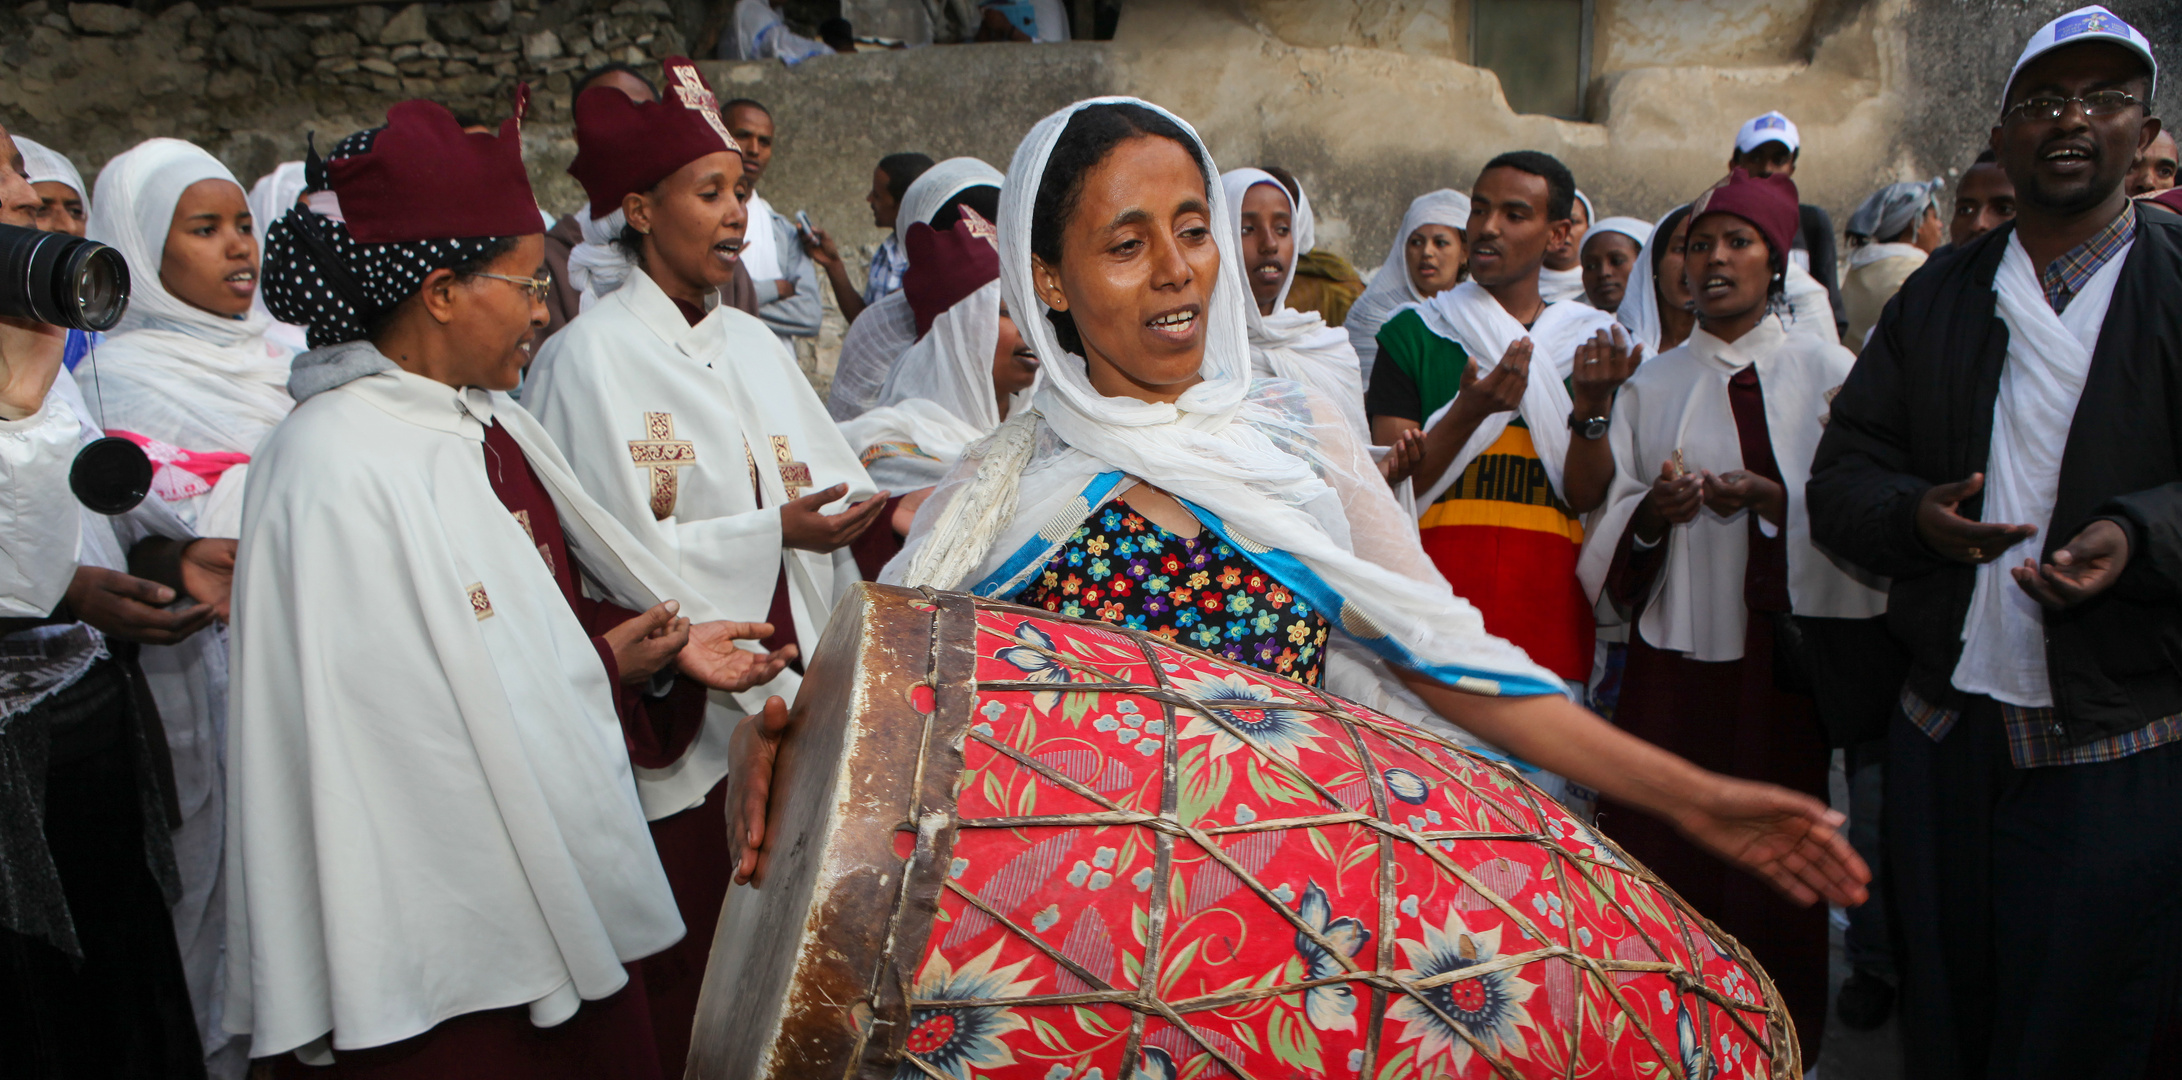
(307, 766)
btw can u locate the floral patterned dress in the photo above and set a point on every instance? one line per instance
(1121, 568)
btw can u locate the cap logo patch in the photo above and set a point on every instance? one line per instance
(1770, 122)
(2092, 22)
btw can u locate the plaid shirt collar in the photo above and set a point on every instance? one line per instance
(2066, 276)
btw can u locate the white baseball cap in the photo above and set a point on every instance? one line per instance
(2078, 27)
(1771, 127)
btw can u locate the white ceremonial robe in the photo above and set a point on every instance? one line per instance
(1678, 402)
(432, 810)
(668, 425)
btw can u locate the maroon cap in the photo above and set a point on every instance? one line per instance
(424, 178)
(1768, 203)
(625, 146)
(946, 267)
(2170, 198)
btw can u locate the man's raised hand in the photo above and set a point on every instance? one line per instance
(804, 527)
(2080, 570)
(1952, 536)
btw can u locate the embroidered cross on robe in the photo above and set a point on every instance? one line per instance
(794, 475)
(665, 456)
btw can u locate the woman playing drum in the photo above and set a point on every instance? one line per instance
(1155, 485)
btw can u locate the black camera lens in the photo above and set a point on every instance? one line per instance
(61, 280)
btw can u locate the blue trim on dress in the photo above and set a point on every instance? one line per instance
(1038, 549)
(1304, 581)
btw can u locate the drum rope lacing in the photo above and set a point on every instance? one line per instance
(932, 819)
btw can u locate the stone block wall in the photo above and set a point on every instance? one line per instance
(248, 84)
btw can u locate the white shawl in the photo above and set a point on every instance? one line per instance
(44, 165)
(884, 332)
(173, 371)
(1390, 289)
(1639, 310)
(1558, 285)
(2049, 356)
(1678, 401)
(1260, 464)
(1291, 344)
(943, 181)
(938, 399)
(1469, 316)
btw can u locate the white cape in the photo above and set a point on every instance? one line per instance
(1678, 401)
(631, 379)
(433, 810)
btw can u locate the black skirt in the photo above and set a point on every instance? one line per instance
(120, 1009)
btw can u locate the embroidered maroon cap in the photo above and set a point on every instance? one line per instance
(625, 146)
(424, 178)
(1768, 203)
(946, 267)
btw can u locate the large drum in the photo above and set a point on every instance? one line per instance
(1009, 845)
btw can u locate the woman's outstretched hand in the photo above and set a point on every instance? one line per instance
(1789, 839)
(711, 656)
(750, 783)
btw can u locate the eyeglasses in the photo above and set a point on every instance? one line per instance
(2099, 103)
(539, 288)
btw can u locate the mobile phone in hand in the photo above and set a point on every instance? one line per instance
(803, 221)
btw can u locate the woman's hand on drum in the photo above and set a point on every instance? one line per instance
(750, 783)
(711, 657)
(1788, 838)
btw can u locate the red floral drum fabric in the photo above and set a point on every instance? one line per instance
(1170, 866)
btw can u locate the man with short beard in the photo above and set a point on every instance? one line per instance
(1481, 368)
(2006, 452)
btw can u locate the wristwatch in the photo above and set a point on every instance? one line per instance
(1590, 427)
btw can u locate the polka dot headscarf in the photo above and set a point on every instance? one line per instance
(338, 286)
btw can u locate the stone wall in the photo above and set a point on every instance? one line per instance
(248, 84)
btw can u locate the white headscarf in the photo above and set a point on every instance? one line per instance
(43, 165)
(1639, 310)
(1263, 467)
(943, 181)
(937, 400)
(137, 193)
(1636, 229)
(270, 199)
(1291, 344)
(1390, 290)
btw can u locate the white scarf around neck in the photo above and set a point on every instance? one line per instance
(2049, 357)
(137, 193)
(1470, 317)
(1390, 289)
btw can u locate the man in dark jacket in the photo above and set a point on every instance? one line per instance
(2008, 450)
(1770, 145)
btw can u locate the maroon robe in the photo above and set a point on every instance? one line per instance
(1731, 718)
